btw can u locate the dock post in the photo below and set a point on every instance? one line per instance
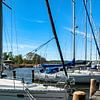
(92, 87)
(14, 74)
(32, 76)
(79, 95)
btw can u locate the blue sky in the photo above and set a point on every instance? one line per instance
(31, 27)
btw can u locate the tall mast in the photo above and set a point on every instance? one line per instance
(99, 44)
(97, 47)
(90, 31)
(1, 32)
(85, 33)
(55, 35)
(74, 35)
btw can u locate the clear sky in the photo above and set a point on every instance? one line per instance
(27, 25)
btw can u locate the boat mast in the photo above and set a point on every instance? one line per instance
(55, 35)
(99, 44)
(74, 35)
(90, 31)
(85, 33)
(1, 32)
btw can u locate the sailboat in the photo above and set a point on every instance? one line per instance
(12, 89)
(86, 74)
(80, 76)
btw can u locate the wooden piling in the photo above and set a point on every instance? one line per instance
(79, 95)
(92, 87)
(32, 76)
(14, 74)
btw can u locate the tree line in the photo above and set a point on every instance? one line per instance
(31, 58)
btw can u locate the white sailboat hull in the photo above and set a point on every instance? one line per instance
(80, 77)
(9, 91)
(85, 76)
(43, 95)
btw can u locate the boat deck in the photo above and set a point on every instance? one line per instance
(16, 90)
(18, 85)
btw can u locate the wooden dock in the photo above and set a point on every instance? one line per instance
(96, 95)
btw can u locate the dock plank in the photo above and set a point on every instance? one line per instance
(96, 96)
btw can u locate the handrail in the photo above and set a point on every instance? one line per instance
(31, 97)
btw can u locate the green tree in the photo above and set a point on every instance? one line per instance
(18, 59)
(34, 58)
(5, 56)
(10, 56)
(38, 59)
(31, 58)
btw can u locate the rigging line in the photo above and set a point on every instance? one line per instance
(35, 50)
(59, 10)
(55, 35)
(15, 30)
(99, 41)
(40, 58)
(11, 34)
(7, 35)
(96, 35)
(91, 41)
(85, 53)
(16, 33)
(42, 45)
(36, 60)
(8, 8)
(94, 24)
(11, 26)
(6, 39)
(7, 5)
(91, 28)
(45, 51)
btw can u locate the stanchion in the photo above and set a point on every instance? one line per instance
(32, 76)
(14, 74)
(14, 77)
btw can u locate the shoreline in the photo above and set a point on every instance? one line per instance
(24, 65)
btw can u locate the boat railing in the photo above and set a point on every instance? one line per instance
(31, 97)
(27, 91)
